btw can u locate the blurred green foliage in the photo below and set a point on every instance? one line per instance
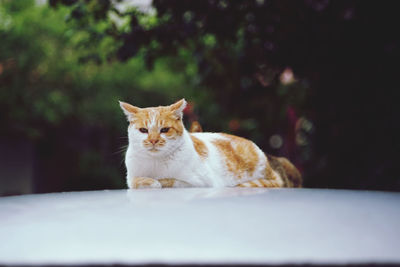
(45, 82)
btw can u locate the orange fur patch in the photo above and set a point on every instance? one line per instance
(262, 182)
(239, 153)
(164, 117)
(129, 107)
(168, 119)
(269, 173)
(167, 182)
(199, 146)
(142, 182)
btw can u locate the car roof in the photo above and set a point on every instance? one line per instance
(201, 226)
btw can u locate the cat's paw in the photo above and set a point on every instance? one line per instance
(171, 182)
(145, 182)
(167, 182)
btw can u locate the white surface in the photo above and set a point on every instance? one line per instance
(231, 225)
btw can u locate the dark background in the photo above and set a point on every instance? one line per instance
(314, 81)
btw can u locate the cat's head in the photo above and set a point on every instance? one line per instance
(156, 130)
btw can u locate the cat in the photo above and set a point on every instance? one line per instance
(162, 153)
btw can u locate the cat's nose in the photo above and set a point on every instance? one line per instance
(153, 141)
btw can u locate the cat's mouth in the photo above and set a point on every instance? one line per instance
(153, 148)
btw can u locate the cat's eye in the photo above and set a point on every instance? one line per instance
(164, 130)
(143, 130)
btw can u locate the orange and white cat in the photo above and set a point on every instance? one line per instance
(162, 153)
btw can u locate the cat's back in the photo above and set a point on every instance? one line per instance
(232, 148)
(239, 160)
(231, 156)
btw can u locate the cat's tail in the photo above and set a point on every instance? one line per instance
(289, 173)
(195, 127)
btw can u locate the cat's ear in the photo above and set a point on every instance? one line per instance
(178, 108)
(129, 110)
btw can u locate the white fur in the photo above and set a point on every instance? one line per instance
(178, 159)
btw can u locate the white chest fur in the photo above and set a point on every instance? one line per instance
(182, 163)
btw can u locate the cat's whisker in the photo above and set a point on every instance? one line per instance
(120, 150)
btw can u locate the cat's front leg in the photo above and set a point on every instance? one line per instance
(172, 182)
(144, 182)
